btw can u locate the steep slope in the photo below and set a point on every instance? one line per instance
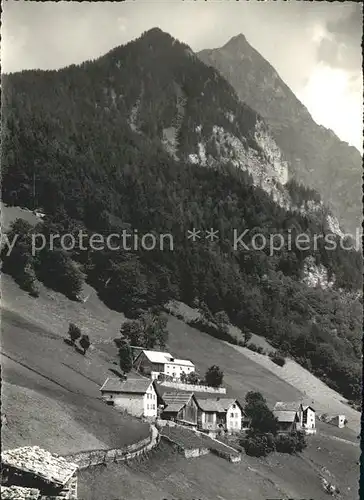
(41, 412)
(289, 383)
(50, 392)
(123, 143)
(316, 156)
(167, 474)
(155, 95)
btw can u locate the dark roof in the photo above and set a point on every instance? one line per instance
(292, 405)
(219, 405)
(287, 406)
(131, 385)
(175, 401)
(285, 416)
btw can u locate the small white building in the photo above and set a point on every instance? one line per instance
(137, 396)
(155, 363)
(305, 415)
(338, 421)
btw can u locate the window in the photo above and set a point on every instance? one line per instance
(209, 417)
(147, 407)
(231, 415)
(234, 406)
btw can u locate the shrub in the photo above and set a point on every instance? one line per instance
(221, 318)
(262, 418)
(214, 376)
(85, 343)
(252, 347)
(125, 356)
(258, 445)
(300, 441)
(285, 443)
(19, 263)
(56, 269)
(74, 332)
(247, 336)
(149, 330)
(192, 378)
(28, 281)
(277, 358)
(294, 442)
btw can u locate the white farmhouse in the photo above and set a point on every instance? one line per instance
(155, 363)
(217, 414)
(137, 396)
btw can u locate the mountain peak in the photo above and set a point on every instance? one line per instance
(237, 42)
(156, 35)
(315, 154)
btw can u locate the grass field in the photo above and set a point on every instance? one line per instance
(51, 392)
(189, 439)
(241, 374)
(167, 475)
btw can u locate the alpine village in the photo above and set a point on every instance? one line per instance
(198, 371)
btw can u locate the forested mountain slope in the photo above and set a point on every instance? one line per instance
(317, 157)
(148, 138)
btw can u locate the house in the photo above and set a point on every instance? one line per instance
(220, 414)
(155, 363)
(338, 421)
(180, 407)
(305, 415)
(30, 468)
(287, 420)
(137, 396)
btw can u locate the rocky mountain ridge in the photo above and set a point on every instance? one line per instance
(315, 156)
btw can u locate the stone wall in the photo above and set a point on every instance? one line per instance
(85, 459)
(197, 452)
(187, 452)
(194, 388)
(232, 457)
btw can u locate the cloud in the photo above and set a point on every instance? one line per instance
(341, 47)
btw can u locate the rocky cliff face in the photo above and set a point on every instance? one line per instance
(316, 156)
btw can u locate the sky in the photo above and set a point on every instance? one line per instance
(314, 46)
